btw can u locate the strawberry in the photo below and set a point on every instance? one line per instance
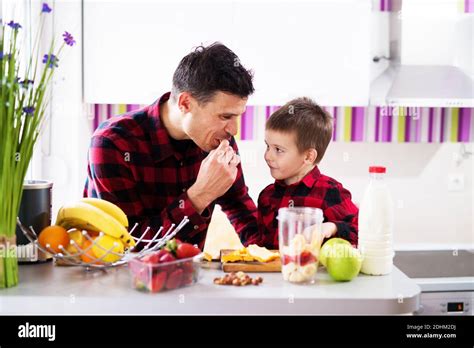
(155, 257)
(166, 256)
(157, 282)
(186, 250)
(188, 278)
(174, 279)
(188, 267)
(306, 257)
(287, 259)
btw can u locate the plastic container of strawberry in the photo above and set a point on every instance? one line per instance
(164, 276)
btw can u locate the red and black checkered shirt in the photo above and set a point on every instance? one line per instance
(134, 163)
(315, 190)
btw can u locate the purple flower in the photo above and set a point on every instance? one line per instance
(14, 25)
(2, 55)
(25, 83)
(29, 110)
(68, 39)
(51, 60)
(46, 8)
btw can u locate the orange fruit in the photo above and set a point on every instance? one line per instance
(54, 236)
(88, 256)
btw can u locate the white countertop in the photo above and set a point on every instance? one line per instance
(52, 290)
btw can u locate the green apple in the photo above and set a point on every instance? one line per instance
(325, 249)
(343, 262)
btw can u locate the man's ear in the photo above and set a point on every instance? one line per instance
(311, 155)
(185, 100)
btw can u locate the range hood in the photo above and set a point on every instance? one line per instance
(423, 86)
(411, 79)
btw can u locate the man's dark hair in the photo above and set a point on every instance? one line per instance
(207, 70)
(311, 124)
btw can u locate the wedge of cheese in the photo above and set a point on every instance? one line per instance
(220, 235)
(252, 253)
(262, 254)
(237, 255)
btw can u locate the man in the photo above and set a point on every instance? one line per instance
(177, 157)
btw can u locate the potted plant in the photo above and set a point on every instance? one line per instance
(24, 96)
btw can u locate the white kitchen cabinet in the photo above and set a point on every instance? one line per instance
(318, 48)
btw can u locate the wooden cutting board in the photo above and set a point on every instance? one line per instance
(250, 266)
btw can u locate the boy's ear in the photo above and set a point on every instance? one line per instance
(311, 155)
(184, 102)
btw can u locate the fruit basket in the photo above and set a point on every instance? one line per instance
(102, 257)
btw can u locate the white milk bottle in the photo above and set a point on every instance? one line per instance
(376, 225)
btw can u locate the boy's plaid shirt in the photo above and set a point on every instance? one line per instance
(314, 190)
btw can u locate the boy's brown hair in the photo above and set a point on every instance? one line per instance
(311, 123)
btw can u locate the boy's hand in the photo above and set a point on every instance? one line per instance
(329, 229)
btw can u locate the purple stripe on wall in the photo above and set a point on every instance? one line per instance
(387, 127)
(96, 116)
(243, 129)
(131, 107)
(377, 123)
(382, 5)
(334, 128)
(267, 112)
(441, 133)
(357, 131)
(109, 111)
(390, 122)
(464, 126)
(468, 6)
(246, 127)
(430, 125)
(408, 118)
(389, 5)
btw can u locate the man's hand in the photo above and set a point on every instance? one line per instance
(216, 175)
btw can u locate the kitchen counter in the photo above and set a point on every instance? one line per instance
(48, 289)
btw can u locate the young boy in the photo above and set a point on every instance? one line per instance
(297, 136)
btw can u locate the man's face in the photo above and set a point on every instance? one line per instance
(210, 123)
(283, 157)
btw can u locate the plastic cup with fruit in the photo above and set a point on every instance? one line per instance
(174, 266)
(300, 241)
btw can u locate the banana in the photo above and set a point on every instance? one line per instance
(109, 208)
(86, 216)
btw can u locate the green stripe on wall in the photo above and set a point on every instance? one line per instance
(122, 108)
(347, 123)
(401, 125)
(454, 124)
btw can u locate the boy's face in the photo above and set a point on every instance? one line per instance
(284, 159)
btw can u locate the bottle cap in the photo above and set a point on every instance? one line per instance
(377, 169)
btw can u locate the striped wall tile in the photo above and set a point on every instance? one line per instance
(352, 124)
(386, 5)
(467, 6)
(464, 6)
(98, 113)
